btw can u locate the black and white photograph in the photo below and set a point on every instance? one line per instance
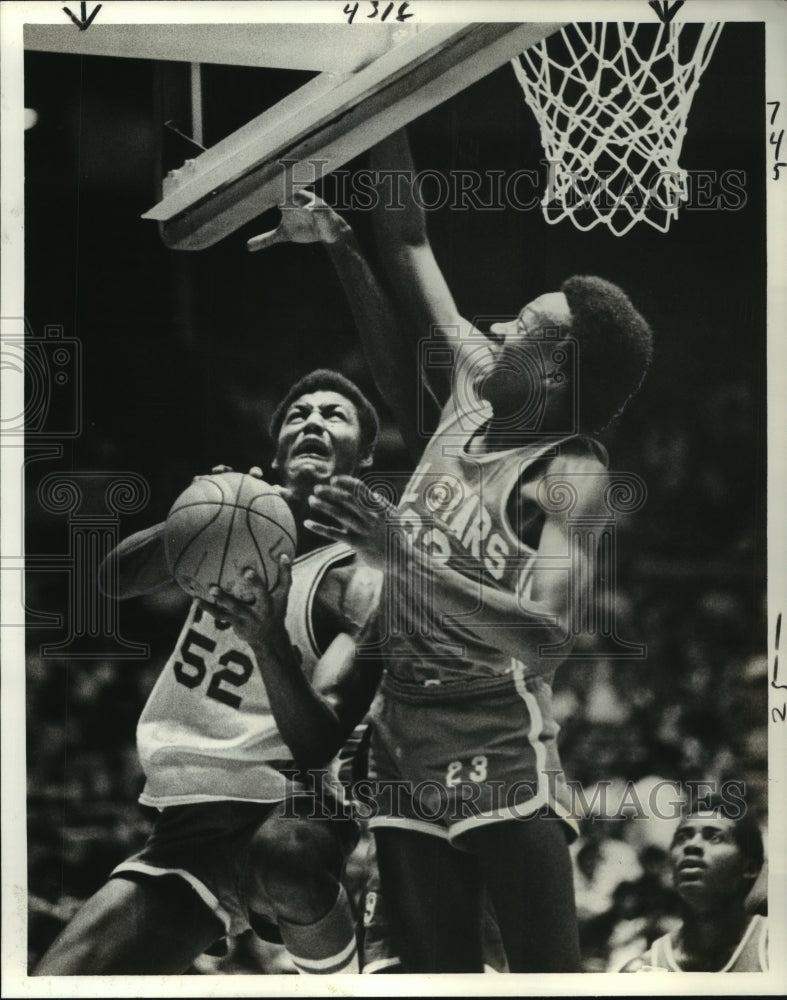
(393, 464)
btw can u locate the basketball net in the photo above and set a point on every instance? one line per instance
(611, 101)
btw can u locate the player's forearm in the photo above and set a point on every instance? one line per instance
(396, 227)
(137, 566)
(382, 337)
(419, 286)
(377, 324)
(307, 723)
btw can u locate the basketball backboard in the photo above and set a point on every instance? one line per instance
(370, 83)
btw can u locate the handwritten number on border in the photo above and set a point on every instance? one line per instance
(778, 714)
(351, 9)
(775, 139)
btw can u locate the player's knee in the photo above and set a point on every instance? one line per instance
(295, 864)
(295, 844)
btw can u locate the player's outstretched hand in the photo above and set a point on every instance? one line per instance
(305, 219)
(362, 516)
(253, 611)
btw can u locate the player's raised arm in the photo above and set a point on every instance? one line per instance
(137, 566)
(308, 219)
(418, 283)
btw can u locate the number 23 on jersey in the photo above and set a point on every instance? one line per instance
(458, 771)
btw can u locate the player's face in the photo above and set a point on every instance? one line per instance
(707, 863)
(319, 438)
(522, 350)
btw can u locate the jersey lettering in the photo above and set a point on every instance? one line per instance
(434, 543)
(236, 675)
(478, 769)
(193, 675)
(479, 765)
(191, 670)
(453, 774)
(495, 561)
(462, 526)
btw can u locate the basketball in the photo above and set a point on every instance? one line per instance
(223, 524)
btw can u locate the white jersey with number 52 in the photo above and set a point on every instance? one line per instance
(207, 731)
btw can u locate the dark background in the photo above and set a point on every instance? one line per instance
(184, 355)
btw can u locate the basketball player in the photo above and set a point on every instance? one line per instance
(258, 686)
(480, 561)
(716, 858)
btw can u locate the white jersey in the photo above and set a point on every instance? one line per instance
(207, 731)
(751, 954)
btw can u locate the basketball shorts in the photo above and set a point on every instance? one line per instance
(207, 844)
(447, 758)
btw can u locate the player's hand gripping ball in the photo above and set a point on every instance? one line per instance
(224, 524)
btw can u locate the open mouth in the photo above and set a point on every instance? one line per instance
(313, 446)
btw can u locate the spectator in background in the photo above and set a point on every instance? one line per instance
(716, 856)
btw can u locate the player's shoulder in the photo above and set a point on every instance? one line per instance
(579, 453)
(578, 469)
